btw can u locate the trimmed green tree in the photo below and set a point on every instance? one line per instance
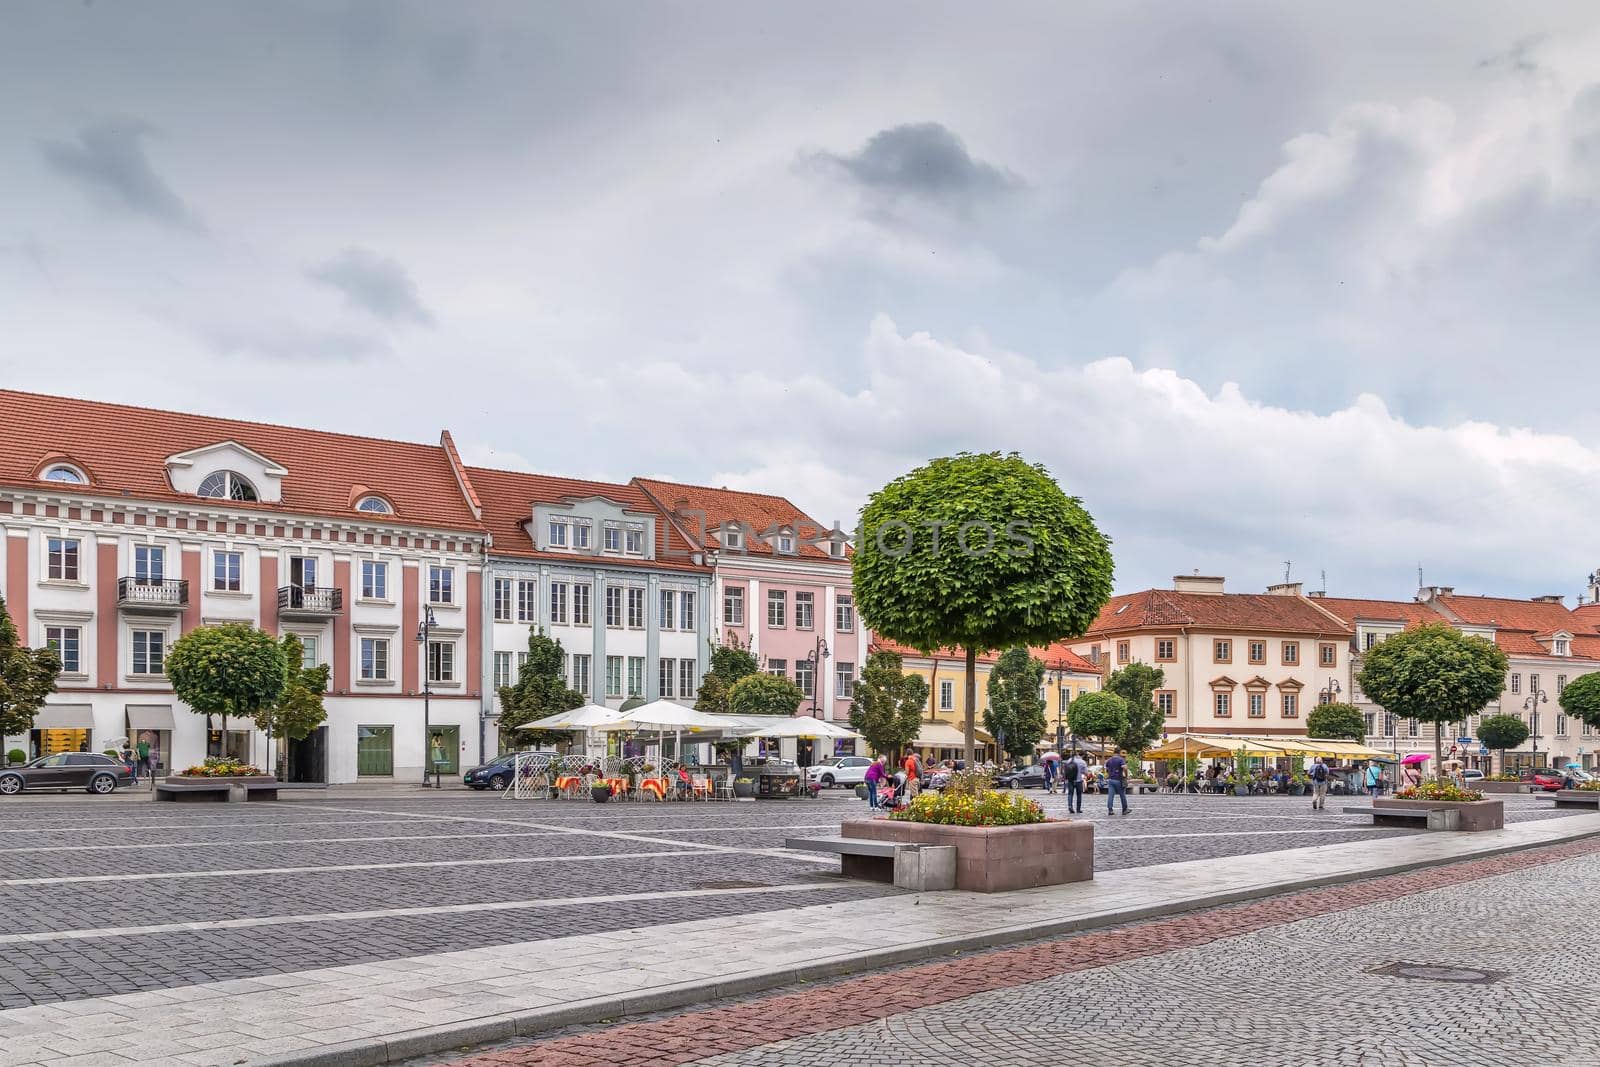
(1137, 684)
(1101, 715)
(887, 707)
(729, 663)
(978, 552)
(540, 690)
(1016, 711)
(1434, 674)
(764, 694)
(232, 670)
(298, 709)
(1502, 732)
(27, 676)
(1337, 722)
(1581, 699)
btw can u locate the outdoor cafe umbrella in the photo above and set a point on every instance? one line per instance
(803, 727)
(664, 715)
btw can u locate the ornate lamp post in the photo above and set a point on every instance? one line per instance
(424, 632)
(1536, 697)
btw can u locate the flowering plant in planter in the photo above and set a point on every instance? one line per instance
(218, 767)
(1502, 777)
(966, 809)
(1438, 789)
(1591, 786)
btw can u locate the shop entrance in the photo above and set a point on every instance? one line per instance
(444, 749)
(49, 742)
(308, 757)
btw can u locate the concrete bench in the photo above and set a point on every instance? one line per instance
(1575, 798)
(1431, 819)
(222, 792)
(919, 868)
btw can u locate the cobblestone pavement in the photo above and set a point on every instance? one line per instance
(122, 897)
(1473, 964)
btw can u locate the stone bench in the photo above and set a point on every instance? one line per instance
(1430, 818)
(216, 790)
(919, 868)
(1575, 798)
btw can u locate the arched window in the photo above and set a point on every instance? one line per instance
(61, 472)
(375, 504)
(226, 485)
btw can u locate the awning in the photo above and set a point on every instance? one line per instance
(943, 735)
(65, 717)
(150, 717)
(1202, 746)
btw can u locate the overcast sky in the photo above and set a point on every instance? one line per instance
(1260, 282)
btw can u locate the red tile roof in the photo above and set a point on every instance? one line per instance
(1518, 622)
(124, 450)
(1588, 615)
(1349, 609)
(508, 498)
(1056, 655)
(760, 512)
(1167, 609)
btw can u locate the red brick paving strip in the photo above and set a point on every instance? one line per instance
(685, 1038)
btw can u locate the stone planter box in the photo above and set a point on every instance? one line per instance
(1578, 798)
(995, 859)
(1501, 787)
(234, 789)
(1471, 815)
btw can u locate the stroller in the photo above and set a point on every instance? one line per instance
(892, 793)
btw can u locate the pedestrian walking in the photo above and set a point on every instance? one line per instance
(1374, 778)
(875, 775)
(143, 749)
(1073, 771)
(1116, 781)
(1319, 785)
(1049, 776)
(132, 761)
(913, 776)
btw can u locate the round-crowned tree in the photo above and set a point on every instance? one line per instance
(764, 694)
(1337, 722)
(1502, 732)
(1099, 714)
(978, 552)
(1581, 699)
(228, 670)
(27, 676)
(1435, 674)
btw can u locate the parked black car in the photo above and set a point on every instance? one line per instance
(67, 770)
(498, 772)
(1026, 778)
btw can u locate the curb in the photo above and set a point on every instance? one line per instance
(534, 1021)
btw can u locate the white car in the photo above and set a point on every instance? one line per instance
(839, 770)
(1471, 775)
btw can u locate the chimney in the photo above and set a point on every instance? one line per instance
(1317, 594)
(1286, 589)
(1434, 592)
(1550, 598)
(1195, 583)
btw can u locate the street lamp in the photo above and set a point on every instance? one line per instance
(817, 659)
(424, 632)
(1330, 691)
(1536, 696)
(1058, 674)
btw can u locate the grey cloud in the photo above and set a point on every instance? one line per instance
(289, 342)
(109, 160)
(375, 284)
(924, 160)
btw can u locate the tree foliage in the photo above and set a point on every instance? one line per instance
(539, 691)
(1337, 722)
(298, 709)
(1434, 674)
(27, 676)
(1502, 732)
(887, 707)
(1136, 684)
(1581, 699)
(764, 694)
(1102, 715)
(978, 552)
(1016, 711)
(729, 663)
(232, 670)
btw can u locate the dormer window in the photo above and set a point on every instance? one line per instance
(732, 537)
(226, 485)
(375, 505)
(1561, 646)
(836, 548)
(558, 534)
(635, 540)
(64, 473)
(786, 543)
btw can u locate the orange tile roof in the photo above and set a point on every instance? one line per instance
(1167, 609)
(760, 511)
(124, 450)
(1519, 622)
(1055, 655)
(1349, 609)
(1589, 615)
(508, 498)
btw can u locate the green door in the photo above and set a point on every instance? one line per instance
(444, 747)
(375, 751)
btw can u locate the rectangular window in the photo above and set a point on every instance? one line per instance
(1063, 698)
(1258, 705)
(1388, 725)
(669, 669)
(777, 608)
(635, 609)
(1167, 703)
(1533, 684)
(805, 676)
(502, 670)
(1372, 723)
(804, 611)
(375, 751)
(580, 535)
(581, 592)
(1166, 650)
(1411, 727)
(558, 602)
(558, 534)
(149, 563)
(1223, 704)
(733, 605)
(1368, 640)
(527, 601)
(1561, 684)
(441, 585)
(947, 696)
(375, 583)
(374, 659)
(686, 686)
(1222, 651)
(636, 676)
(580, 672)
(441, 661)
(844, 613)
(1291, 705)
(1330, 655)
(614, 606)
(669, 609)
(635, 542)
(61, 562)
(732, 536)
(613, 676)
(149, 651)
(226, 571)
(779, 667)
(844, 680)
(613, 539)
(686, 610)
(308, 653)
(66, 642)
(1561, 725)
(1516, 683)
(1124, 651)
(1291, 653)
(502, 596)
(1094, 655)
(1258, 652)
(1561, 646)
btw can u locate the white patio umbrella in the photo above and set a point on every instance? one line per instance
(587, 717)
(664, 715)
(803, 727)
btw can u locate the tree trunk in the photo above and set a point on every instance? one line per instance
(1438, 749)
(972, 705)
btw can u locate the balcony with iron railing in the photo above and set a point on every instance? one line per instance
(152, 594)
(310, 602)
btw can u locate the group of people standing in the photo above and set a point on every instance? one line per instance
(1072, 772)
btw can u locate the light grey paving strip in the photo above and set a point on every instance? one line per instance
(1330, 829)
(95, 933)
(184, 824)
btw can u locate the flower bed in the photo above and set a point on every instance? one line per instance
(1591, 786)
(1439, 789)
(962, 809)
(221, 768)
(993, 859)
